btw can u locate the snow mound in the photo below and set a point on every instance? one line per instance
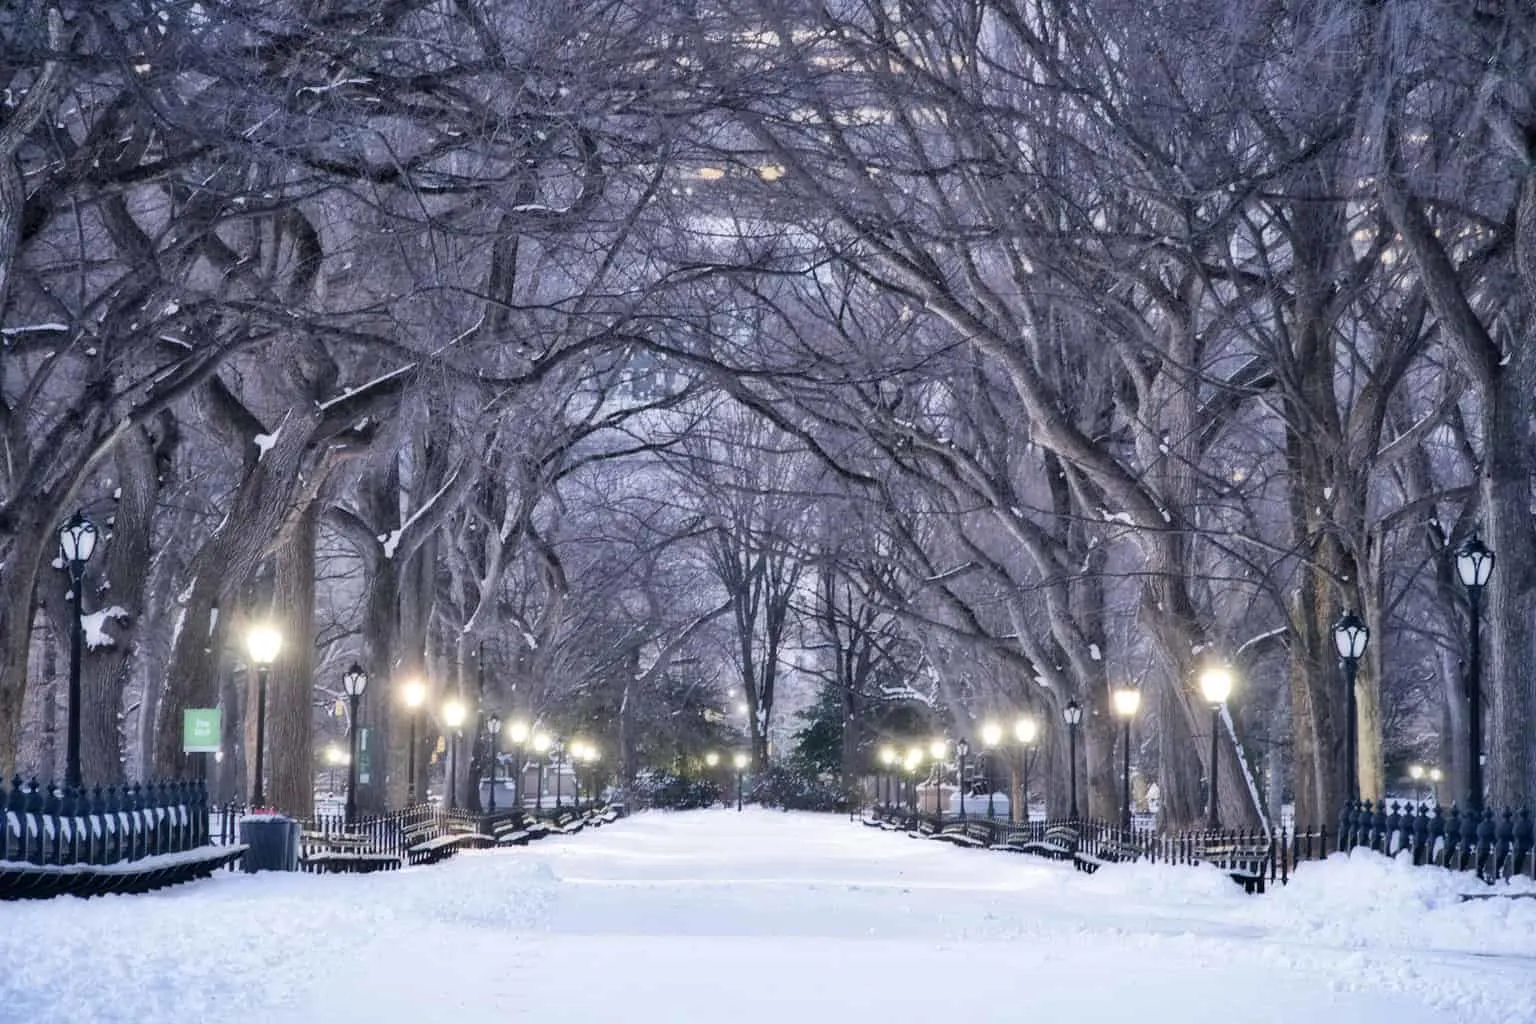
(1365, 899)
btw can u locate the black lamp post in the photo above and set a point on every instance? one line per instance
(541, 743)
(1216, 684)
(518, 733)
(1127, 703)
(1474, 565)
(1351, 636)
(740, 760)
(354, 683)
(414, 694)
(887, 762)
(454, 714)
(1072, 714)
(264, 643)
(991, 736)
(913, 763)
(962, 748)
(493, 723)
(559, 770)
(1024, 730)
(77, 541)
(938, 750)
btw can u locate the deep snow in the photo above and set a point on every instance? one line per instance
(766, 917)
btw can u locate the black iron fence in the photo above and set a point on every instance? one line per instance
(1253, 857)
(46, 824)
(1492, 844)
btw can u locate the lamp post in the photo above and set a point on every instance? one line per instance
(914, 761)
(938, 750)
(334, 757)
(414, 693)
(991, 736)
(559, 770)
(962, 748)
(454, 714)
(740, 760)
(1435, 775)
(354, 682)
(1072, 714)
(1416, 773)
(1216, 684)
(493, 723)
(77, 541)
(1351, 636)
(263, 643)
(517, 732)
(1127, 703)
(1025, 730)
(1474, 565)
(541, 742)
(888, 762)
(711, 762)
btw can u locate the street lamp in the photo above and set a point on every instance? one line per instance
(354, 682)
(77, 541)
(1072, 714)
(414, 693)
(888, 762)
(334, 756)
(454, 714)
(541, 742)
(517, 732)
(991, 736)
(1025, 730)
(493, 724)
(914, 761)
(1351, 636)
(1127, 703)
(1416, 773)
(938, 750)
(263, 642)
(1216, 685)
(590, 755)
(1435, 775)
(740, 760)
(962, 748)
(559, 770)
(1474, 565)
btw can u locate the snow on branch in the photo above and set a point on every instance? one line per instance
(378, 381)
(391, 540)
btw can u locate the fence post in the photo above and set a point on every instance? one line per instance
(1525, 855)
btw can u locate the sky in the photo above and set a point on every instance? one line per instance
(765, 916)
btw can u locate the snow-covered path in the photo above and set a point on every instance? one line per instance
(762, 916)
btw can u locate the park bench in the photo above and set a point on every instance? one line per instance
(432, 841)
(1245, 859)
(971, 832)
(569, 823)
(1113, 849)
(1058, 843)
(612, 813)
(512, 832)
(345, 852)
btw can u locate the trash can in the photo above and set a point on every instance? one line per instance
(272, 843)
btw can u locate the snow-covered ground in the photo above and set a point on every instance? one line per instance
(729, 918)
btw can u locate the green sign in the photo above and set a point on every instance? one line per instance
(363, 759)
(200, 731)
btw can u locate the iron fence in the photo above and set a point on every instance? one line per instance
(1493, 845)
(47, 824)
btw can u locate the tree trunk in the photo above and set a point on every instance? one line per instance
(291, 692)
